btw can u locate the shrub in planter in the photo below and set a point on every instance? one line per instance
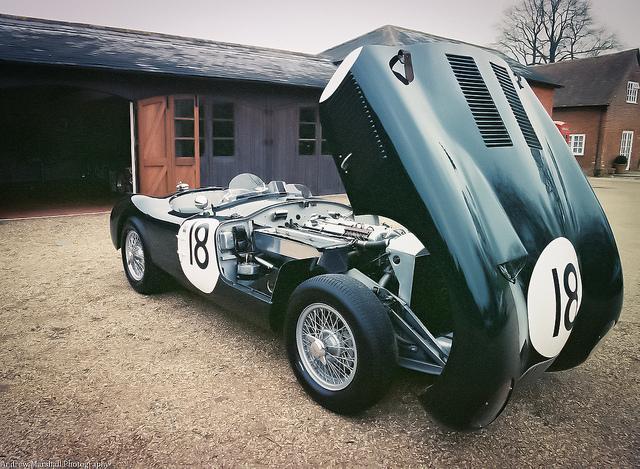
(620, 159)
(620, 164)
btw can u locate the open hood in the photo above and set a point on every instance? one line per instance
(446, 140)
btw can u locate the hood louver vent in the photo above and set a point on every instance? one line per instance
(516, 105)
(484, 110)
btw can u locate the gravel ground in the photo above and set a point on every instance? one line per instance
(90, 371)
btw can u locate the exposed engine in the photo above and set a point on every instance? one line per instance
(326, 234)
(271, 238)
(340, 226)
(321, 239)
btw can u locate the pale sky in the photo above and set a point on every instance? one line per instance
(307, 26)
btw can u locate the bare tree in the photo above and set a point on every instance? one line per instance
(547, 31)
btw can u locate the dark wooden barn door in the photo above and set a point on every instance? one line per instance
(235, 138)
(329, 181)
(264, 135)
(168, 138)
(286, 162)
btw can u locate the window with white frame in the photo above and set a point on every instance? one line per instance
(632, 92)
(576, 143)
(626, 143)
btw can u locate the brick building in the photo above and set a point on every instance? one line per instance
(599, 103)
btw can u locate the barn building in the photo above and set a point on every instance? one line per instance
(87, 110)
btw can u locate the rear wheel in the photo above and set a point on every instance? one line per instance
(340, 343)
(143, 275)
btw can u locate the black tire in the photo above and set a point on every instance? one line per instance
(372, 332)
(153, 279)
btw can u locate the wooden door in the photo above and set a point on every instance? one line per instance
(298, 152)
(239, 122)
(155, 165)
(286, 162)
(168, 142)
(329, 181)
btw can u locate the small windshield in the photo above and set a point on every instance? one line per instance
(248, 182)
(244, 185)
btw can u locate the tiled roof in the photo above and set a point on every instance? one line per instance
(591, 81)
(31, 40)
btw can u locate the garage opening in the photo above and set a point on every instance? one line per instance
(64, 150)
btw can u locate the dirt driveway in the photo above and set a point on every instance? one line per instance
(90, 371)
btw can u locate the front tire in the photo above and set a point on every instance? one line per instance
(143, 275)
(340, 343)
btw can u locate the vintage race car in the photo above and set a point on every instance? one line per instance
(474, 249)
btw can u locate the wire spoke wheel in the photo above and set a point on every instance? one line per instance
(326, 346)
(137, 261)
(340, 342)
(134, 255)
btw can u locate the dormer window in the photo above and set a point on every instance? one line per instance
(632, 92)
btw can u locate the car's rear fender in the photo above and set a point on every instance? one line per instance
(122, 210)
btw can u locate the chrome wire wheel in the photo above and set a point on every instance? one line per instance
(326, 346)
(134, 254)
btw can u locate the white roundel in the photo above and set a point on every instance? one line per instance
(553, 300)
(197, 252)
